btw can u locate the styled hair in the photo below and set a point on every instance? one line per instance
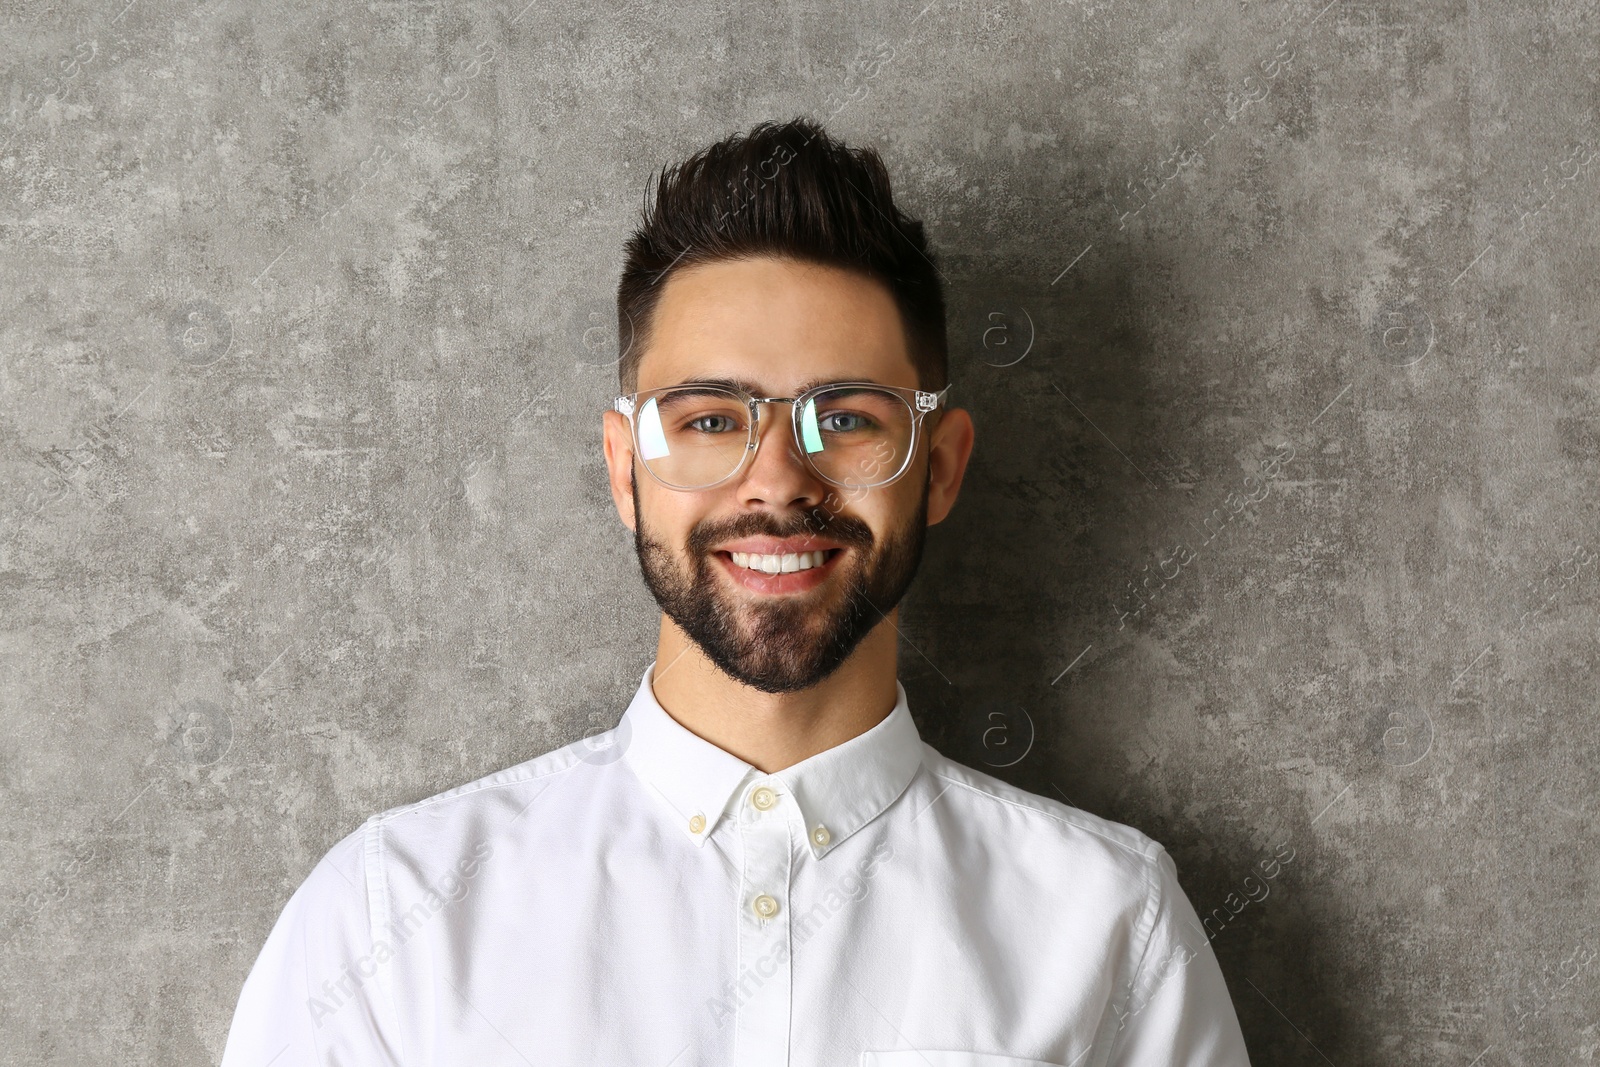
(788, 190)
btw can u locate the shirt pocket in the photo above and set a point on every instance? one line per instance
(945, 1058)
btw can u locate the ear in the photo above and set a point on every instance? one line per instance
(949, 448)
(619, 466)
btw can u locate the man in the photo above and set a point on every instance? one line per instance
(762, 865)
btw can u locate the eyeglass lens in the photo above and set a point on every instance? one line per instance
(696, 436)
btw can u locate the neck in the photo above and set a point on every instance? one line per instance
(771, 731)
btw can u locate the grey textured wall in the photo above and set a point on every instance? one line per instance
(1277, 321)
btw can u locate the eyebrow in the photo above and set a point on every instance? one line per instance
(755, 390)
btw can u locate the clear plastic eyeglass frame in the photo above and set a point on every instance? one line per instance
(920, 401)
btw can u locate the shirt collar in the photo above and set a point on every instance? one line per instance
(840, 789)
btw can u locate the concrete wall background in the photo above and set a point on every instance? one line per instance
(1277, 321)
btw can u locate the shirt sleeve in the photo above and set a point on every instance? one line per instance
(316, 994)
(1178, 1012)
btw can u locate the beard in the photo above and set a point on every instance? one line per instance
(787, 643)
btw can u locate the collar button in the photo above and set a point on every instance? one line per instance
(763, 798)
(697, 823)
(820, 837)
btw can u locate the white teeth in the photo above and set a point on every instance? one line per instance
(787, 563)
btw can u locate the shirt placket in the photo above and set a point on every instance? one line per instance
(762, 994)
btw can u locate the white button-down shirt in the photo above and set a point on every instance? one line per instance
(646, 899)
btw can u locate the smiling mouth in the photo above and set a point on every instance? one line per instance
(789, 563)
(792, 572)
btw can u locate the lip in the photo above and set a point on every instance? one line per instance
(779, 584)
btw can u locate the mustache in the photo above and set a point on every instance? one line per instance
(845, 529)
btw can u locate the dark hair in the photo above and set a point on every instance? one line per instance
(790, 190)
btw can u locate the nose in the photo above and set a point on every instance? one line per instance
(777, 475)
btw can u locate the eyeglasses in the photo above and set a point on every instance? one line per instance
(855, 435)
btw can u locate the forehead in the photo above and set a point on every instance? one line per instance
(776, 324)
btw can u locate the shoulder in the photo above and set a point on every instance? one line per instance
(1037, 830)
(1041, 815)
(1110, 887)
(492, 789)
(462, 819)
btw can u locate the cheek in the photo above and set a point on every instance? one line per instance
(883, 514)
(664, 521)
(895, 510)
(670, 517)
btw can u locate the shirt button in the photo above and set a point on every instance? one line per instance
(765, 906)
(763, 798)
(820, 836)
(697, 823)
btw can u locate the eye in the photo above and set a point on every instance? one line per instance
(712, 424)
(843, 421)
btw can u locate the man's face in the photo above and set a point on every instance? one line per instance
(778, 325)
